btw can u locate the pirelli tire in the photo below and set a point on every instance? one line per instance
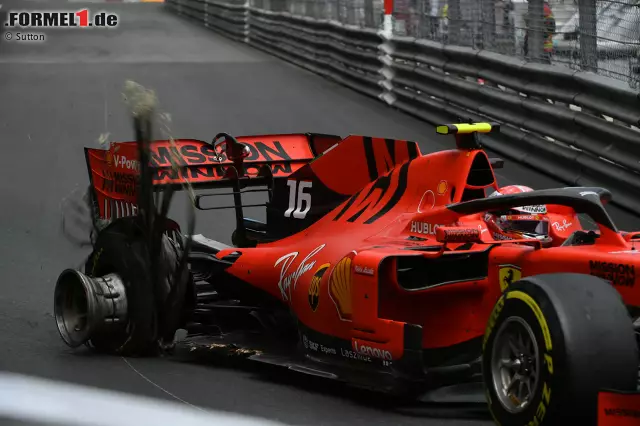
(121, 248)
(582, 339)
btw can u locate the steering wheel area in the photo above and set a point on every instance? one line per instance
(581, 238)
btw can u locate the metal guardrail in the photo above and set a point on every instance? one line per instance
(576, 126)
(346, 54)
(227, 18)
(532, 101)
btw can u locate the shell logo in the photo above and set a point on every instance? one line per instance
(113, 148)
(442, 187)
(340, 288)
(109, 158)
(314, 287)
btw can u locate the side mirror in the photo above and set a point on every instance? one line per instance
(631, 236)
(457, 235)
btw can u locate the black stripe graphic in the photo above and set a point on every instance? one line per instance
(346, 206)
(391, 143)
(397, 195)
(413, 150)
(370, 156)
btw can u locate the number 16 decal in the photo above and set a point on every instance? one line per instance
(297, 193)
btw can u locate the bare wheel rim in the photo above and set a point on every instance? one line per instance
(515, 365)
(73, 312)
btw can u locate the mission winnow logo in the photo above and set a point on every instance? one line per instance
(623, 412)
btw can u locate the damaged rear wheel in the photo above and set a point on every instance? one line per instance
(136, 287)
(115, 306)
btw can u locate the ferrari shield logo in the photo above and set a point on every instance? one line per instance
(508, 274)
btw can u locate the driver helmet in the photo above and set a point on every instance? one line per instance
(519, 222)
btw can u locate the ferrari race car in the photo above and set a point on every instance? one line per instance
(374, 266)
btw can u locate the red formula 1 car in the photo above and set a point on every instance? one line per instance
(375, 266)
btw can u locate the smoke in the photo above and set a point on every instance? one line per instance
(141, 101)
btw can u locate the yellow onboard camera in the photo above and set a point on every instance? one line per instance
(467, 128)
(466, 134)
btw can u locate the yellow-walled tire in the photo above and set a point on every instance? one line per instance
(560, 338)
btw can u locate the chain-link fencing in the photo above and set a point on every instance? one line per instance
(602, 36)
(590, 35)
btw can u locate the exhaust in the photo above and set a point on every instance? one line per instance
(84, 306)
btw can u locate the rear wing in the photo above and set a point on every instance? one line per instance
(114, 172)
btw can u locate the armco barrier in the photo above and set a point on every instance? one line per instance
(346, 54)
(227, 18)
(439, 82)
(575, 126)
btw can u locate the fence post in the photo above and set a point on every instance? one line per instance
(588, 35)
(488, 17)
(387, 24)
(247, 21)
(455, 22)
(385, 49)
(534, 24)
(369, 19)
(351, 12)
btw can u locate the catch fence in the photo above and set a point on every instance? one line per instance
(596, 35)
(560, 113)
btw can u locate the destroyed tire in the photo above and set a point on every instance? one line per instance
(551, 344)
(122, 249)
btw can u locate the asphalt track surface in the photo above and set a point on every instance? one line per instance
(58, 96)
